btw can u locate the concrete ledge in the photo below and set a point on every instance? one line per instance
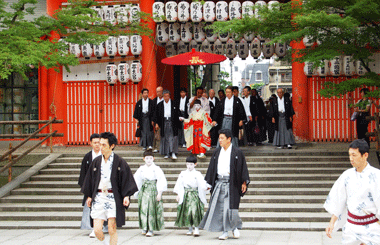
(6, 189)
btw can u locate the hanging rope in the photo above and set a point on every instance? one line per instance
(52, 107)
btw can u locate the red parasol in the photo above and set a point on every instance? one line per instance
(194, 58)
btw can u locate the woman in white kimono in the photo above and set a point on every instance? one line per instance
(191, 197)
(151, 182)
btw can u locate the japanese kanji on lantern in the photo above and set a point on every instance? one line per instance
(360, 69)
(158, 11)
(223, 37)
(348, 66)
(268, 49)
(196, 11)
(111, 46)
(243, 49)
(122, 13)
(100, 50)
(231, 49)
(308, 69)
(247, 9)
(134, 13)
(136, 45)
(136, 71)
(221, 9)
(280, 49)
(100, 14)
(234, 10)
(210, 35)
(183, 11)
(162, 32)
(63, 41)
(171, 11)
(273, 5)
(336, 66)
(111, 74)
(199, 34)
(218, 47)
(182, 47)
(206, 47)
(75, 49)
(186, 32)
(87, 50)
(307, 41)
(259, 5)
(174, 32)
(123, 72)
(255, 48)
(209, 11)
(110, 14)
(249, 37)
(123, 45)
(323, 70)
(170, 49)
(194, 45)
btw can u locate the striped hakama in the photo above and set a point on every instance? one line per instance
(283, 136)
(169, 142)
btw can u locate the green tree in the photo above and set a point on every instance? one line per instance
(25, 43)
(349, 28)
(223, 82)
(257, 85)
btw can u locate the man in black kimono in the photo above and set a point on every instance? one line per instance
(144, 112)
(252, 115)
(108, 185)
(261, 118)
(167, 120)
(86, 162)
(281, 112)
(230, 114)
(213, 103)
(156, 101)
(228, 176)
(182, 104)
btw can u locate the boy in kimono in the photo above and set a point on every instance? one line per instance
(354, 200)
(191, 197)
(151, 183)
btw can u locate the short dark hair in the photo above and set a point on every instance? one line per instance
(221, 90)
(144, 89)
(183, 90)
(199, 88)
(248, 88)
(166, 92)
(94, 136)
(148, 153)
(227, 132)
(235, 88)
(230, 88)
(365, 90)
(112, 140)
(192, 159)
(361, 145)
(273, 96)
(286, 95)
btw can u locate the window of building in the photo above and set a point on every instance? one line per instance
(236, 68)
(259, 76)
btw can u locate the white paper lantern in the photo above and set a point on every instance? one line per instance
(336, 66)
(134, 13)
(100, 14)
(231, 49)
(186, 32)
(268, 49)
(199, 34)
(323, 70)
(308, 69)
(123, 45)
(75, 49)
(255, 48)
(162, 32)
(87, 50)
(348, 66)
(259, 5)
(110, 14)
(194, 45)
(237, 37)
(123, 73)
(249, 37)
(170, 49)
(209, 11)
(234, 10)
(224, 37)
(243, 49)
(174, 32)
(62, 40)
(122, 14)
(136, 45)
(307, 41)
(210, 35)
(247, 9)
(196, 11)
(273, 5)
(218, 47)
(111, 74)
(183, 11)
(221, 9)
(136, 71)
(206, 47)
(100, 50)
(360, 70)
(158, 12)
(111, 46)
(182, 47)
(280, 49)
(171, 11)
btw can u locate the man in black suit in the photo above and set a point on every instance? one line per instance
(213, 103)
(261, 119)
(158, 99)
(252, 115)
(182, 104)
(143, 114)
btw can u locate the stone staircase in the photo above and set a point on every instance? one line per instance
(287, 191)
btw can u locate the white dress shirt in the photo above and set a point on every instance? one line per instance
(246, 102)
(159, 100)
(145, 105)
(228, 106)
(281, 104)
(168, 109)
(94, 155)
(212, 100)
(224, 161)
(105, 176)
(182, 104)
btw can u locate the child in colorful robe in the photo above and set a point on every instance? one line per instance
(197, 131)
(151, 182)
(191, 197)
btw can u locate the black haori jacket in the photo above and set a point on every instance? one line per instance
(289, 112)
(238, 174)
(123, 184)
(86, 162)
(160, 120)
(138, 113)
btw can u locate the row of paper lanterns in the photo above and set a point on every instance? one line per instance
(339, 66)
(120, 45)
(124, 72)
(208, 11)
(123, 13)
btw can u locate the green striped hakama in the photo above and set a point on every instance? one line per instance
(190, 211)
(150, 211)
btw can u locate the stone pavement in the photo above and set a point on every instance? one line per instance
(178, 237)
